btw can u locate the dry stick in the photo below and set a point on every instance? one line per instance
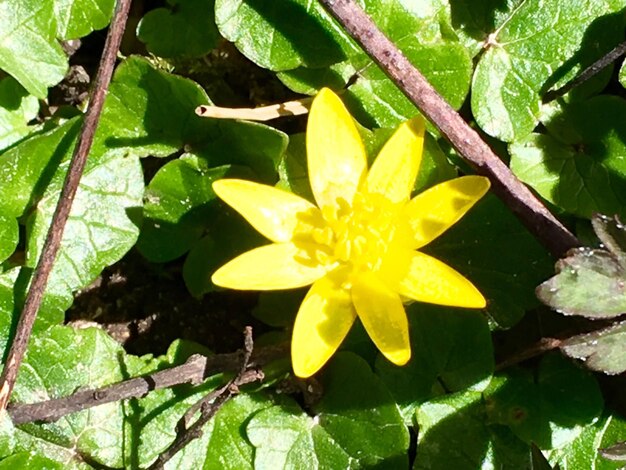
(537, 349)
(208, 406)
(535, 216)
(589, 72)
(195, 370)
(61, 213)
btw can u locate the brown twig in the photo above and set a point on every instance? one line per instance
(589, 72)
(61, 213)
(537, 349)
(535, 216)
(209, 405)
(195, 370)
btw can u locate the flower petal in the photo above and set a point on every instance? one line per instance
(395, 169)
(335, 154)
(323, 321)
(430, 280)
(435, 210)
(271, 211)
(269, 267)
(383, 316)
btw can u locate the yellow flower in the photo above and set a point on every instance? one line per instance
(357, 247)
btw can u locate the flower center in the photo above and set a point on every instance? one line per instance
(354, 236)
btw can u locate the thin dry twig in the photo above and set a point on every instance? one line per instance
(62, 211)
(263, 113)
(210, 405)
(468, 143)
(537, 349)
(194, 371)
(589, 72)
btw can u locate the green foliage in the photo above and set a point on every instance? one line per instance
(29, 34)
(344, 431)
(147, 188)
(184, 29)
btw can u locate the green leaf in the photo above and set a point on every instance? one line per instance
(152, 112)
(587, 450)
(494, 250)
(602, 350)
(29, 34)
(581, 171)
(223, 445)
(30, 461)
(527, 54)
(589, 283)
(550, 410)
(229, 236)
(345, 430)
(374, 99)
(58, 362)
(282, 36)
(446, 65)
(28, 44)
(454, 433)
(13, 285)
(17, 108)
(622, 75)
(78, 18)
(450, 349)
(150, 422)
(183, 29)
(174, 218)
(9, 236)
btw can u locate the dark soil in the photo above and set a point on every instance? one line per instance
(145, 307)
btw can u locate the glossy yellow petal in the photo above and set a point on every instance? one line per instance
(435, 210)
(269, 267)
(323, 321)
(383, 316)
(273, 212)
(336, 157)
(430, 280)
(395, 169)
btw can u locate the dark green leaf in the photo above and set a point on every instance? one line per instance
(551, 410)
(589, 283)
(282, 36)
(581, 168)
(493, 250)
(184, 29)
(602, 350)
(454, 433)
(451, 350)
(539, 461)
(612, 234)
(345, 431)
(174, 218)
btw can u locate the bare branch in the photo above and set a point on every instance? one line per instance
(195, 370)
